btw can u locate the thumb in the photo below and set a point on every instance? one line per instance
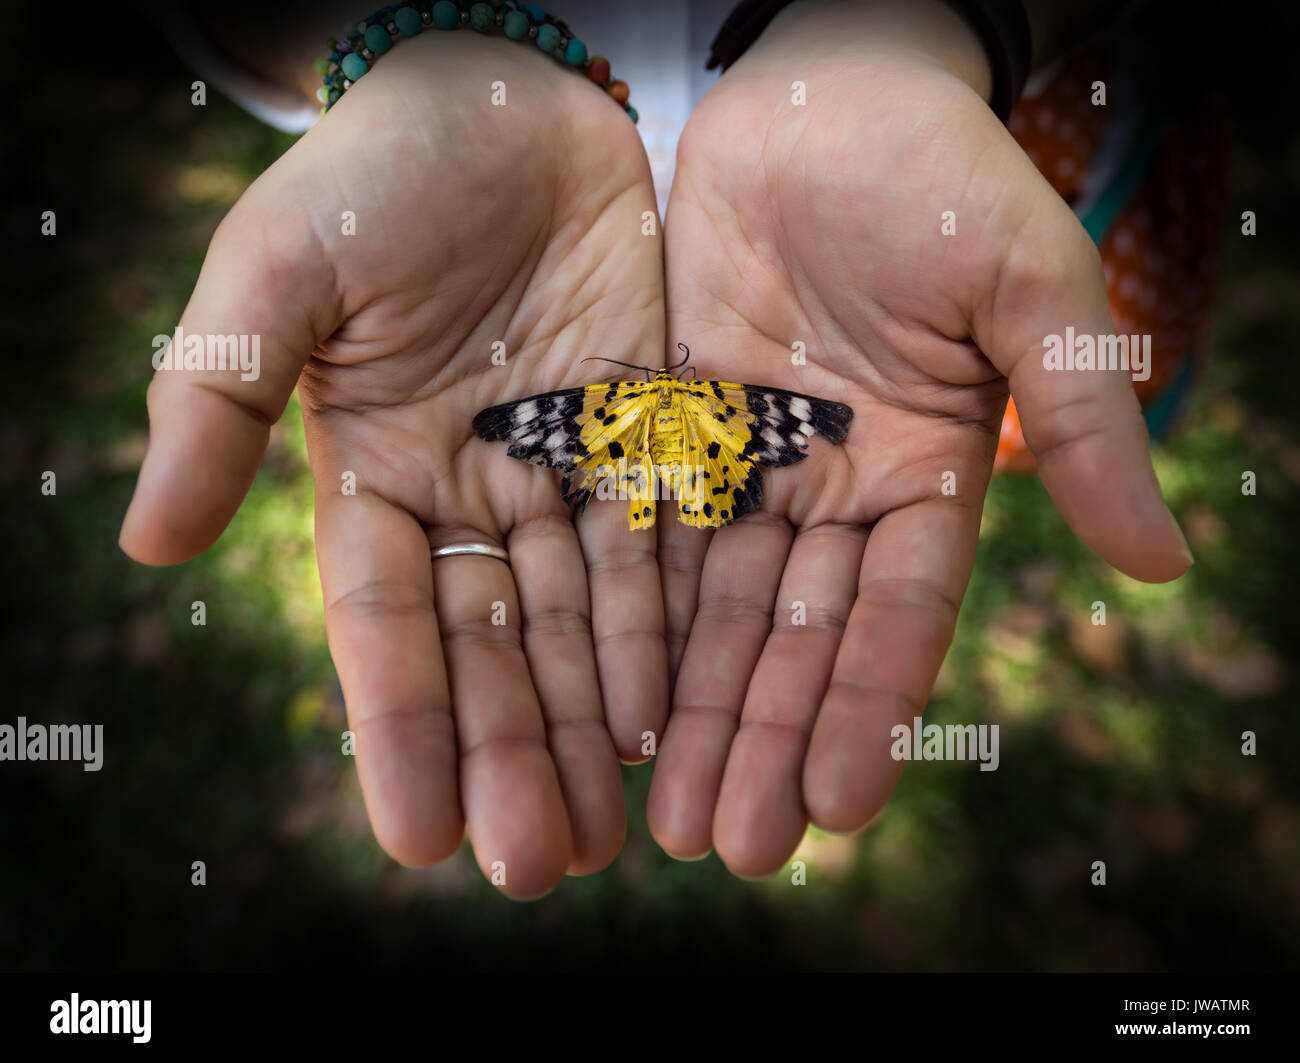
(1084, 426)
(266, 291)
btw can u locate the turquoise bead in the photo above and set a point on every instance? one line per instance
(354, 67)
(446, 15)
(631, 113)
(408, 21)
(575, 52)
(516, 25)
(377, 39)
(535, 10)
(547, 37)
(482, 17)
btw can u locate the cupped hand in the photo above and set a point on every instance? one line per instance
(474, 688)
(801, 635)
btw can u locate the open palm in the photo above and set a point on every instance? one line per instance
(805, 250)
(473, 687)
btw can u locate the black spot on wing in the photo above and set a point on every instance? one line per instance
(575, 494)
(831, 419)
(509, 418)
(783, 421)
(555, 449)
(746, 498)
(541, 429)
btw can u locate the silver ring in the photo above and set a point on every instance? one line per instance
(481, 549)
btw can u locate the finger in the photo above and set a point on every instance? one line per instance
(681, 559)
(760, 817)
(383, 636)
(509, 787)
(552, 581)
(627, 618)
(1084, 426)
(914, 572)
(737, 591)
(265, 280)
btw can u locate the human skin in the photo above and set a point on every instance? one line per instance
(821, 223)
(474, 224)
(522, 224)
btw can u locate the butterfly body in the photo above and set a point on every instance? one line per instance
(698, 443)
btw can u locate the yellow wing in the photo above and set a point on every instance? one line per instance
(729, 430)
(600, 437)
(720, 479)
(597, 435)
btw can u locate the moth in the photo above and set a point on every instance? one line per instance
(698, 443)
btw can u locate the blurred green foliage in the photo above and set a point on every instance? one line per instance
(1119, 743)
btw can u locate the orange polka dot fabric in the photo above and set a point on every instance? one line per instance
(1153, 180)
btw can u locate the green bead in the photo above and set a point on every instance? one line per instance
(516, 25)
(408, 21)
(322, 66)
(482, 17)
(377, 39)
(631, 113)
(354, 67)
(446, 15)
(575, 52)
(547, 37)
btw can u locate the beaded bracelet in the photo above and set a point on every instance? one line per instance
(352, 56)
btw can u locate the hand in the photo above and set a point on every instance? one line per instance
(474, 223)
(821, 224)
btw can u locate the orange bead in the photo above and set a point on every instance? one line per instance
(599, 69)
(619, 91)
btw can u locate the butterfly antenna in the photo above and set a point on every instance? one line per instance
(689, 369)
(615, 361)
(686, 355)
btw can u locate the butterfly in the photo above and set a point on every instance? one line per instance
(698, 443)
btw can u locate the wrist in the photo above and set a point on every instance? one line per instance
(902, 33)
(305, 50)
